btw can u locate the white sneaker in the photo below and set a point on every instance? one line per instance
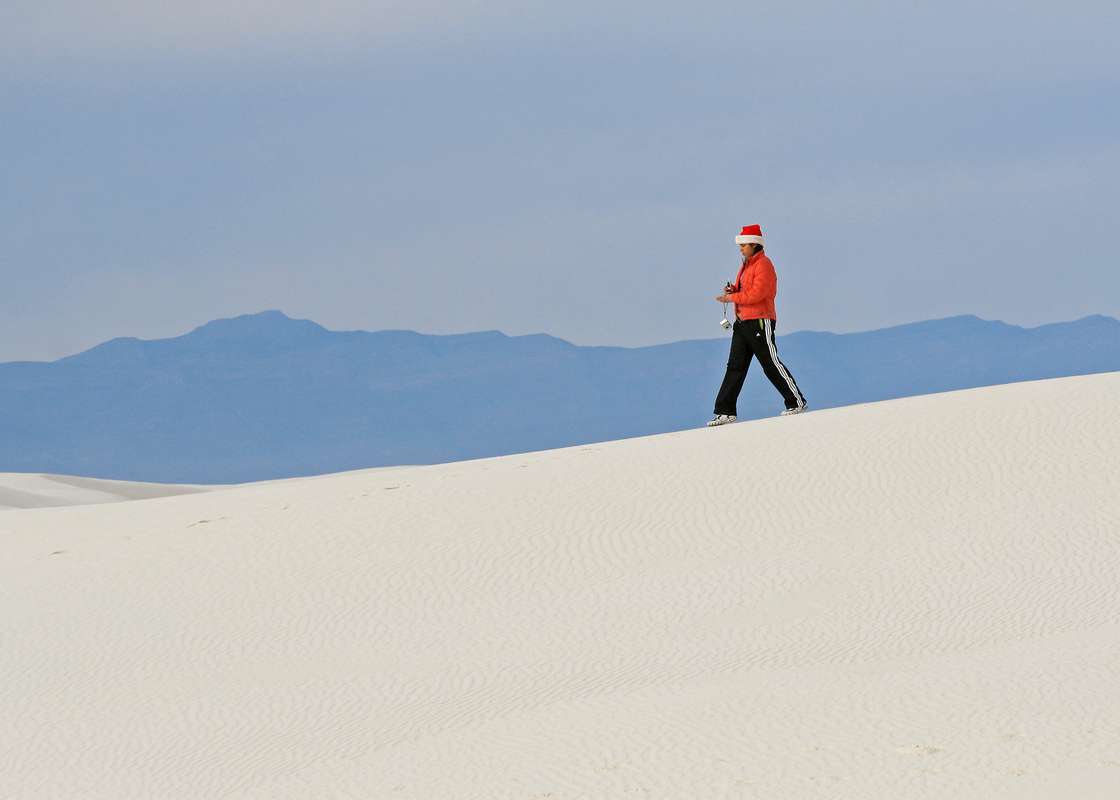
(795, 410)
(721, 419)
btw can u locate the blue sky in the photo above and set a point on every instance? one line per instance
(577, 169)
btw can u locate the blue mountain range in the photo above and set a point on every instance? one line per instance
(265, 396)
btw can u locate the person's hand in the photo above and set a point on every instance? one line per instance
(722, 298)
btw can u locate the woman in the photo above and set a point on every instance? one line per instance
(753, 332)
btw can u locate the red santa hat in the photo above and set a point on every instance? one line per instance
(751, 234)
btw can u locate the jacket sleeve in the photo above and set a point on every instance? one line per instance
(759, 284)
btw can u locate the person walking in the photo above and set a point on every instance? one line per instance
(752, 334)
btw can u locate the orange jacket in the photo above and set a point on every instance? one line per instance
(755, 289)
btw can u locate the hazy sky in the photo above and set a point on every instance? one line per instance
(578, 169)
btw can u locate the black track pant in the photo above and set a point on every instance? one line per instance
(755, 337)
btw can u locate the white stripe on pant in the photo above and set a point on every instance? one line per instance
(782, 367)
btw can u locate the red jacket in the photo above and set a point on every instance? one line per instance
(755, 289)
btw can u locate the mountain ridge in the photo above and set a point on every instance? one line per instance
(266, 324)
(263, 396)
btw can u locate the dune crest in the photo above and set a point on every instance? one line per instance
(29, 490)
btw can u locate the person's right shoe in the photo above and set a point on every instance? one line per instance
(721, 419)
(794, 410)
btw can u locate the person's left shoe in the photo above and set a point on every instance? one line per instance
(795, 410)
(721, 419)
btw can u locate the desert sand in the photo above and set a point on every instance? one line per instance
(917, 598)
(28, 490)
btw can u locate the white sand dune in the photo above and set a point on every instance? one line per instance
(28, 490)
(917, 598)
